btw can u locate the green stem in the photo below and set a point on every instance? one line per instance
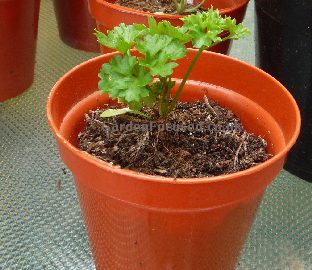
(183, 6)
(175, 2)
(187, 74)
(180, 6)
(177, 7)
(163, 106)
(169, 90)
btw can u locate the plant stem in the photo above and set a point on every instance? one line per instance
(177, 7)
(187, 74)
(169, 90)
(180, 6)
(163, 106)
(183, 6)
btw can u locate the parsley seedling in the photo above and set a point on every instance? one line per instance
(144, 78)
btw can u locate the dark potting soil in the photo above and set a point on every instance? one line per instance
(197, 140)
(165, 6)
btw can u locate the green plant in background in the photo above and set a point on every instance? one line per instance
(143, 78)
(181, 7)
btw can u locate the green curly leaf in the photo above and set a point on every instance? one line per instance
(236, 31)
(122, 37)
(205, 28)
(166, 28)
(123, 78)
(159, 50)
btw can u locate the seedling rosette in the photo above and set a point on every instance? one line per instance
(145, 79)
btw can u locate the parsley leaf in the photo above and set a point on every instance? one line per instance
(204, 28)
(236, 31)
(158, 51)
(123, 78)
(122, 37)
(166, 28)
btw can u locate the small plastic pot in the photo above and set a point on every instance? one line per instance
(18, 32)
(288, 25)
(138, 221)
(234, 8)
(75, 24)
(108, 15)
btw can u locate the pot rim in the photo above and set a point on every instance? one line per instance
(171, 180)
(163, 16)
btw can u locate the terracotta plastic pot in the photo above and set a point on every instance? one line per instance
(286, 24)
(75, 24)
(18, 34)
(108, 15)
(234, 8)
(137, 221)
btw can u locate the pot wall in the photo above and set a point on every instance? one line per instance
(136, 221)
(128, 236)
(284, 49)
(76, 26)
(18, 32)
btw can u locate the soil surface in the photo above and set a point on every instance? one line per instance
(197, 140)
(165, 6)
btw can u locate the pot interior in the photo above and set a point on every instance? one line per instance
(254, 118)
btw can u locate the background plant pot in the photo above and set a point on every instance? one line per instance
(76, 26)
(234, 8)
(108, 15)
(149, 222)
(18, 32)
(284, 49)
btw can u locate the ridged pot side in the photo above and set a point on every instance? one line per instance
(137, 221)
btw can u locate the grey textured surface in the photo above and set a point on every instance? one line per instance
(40, 220)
